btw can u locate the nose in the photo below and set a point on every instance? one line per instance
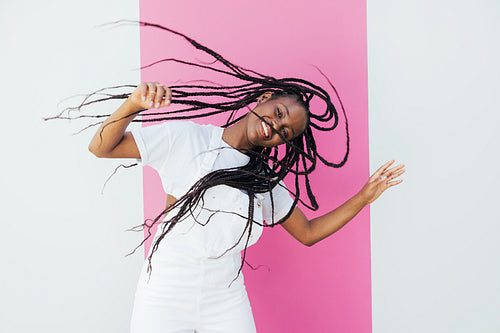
(279, 124)
(275, 125)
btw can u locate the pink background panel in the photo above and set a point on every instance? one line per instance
(327, 287)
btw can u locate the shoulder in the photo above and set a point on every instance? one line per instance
(173, 129)
(178, 125)
(189, 127)
(195, 131)
(188, 135)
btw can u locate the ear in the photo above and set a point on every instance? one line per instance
(264, 97)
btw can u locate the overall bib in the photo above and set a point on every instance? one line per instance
(191, 287)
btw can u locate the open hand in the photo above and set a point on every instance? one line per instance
(149, 95)
(381, 180)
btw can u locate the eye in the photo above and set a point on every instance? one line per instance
(280, 114)
(285, 133)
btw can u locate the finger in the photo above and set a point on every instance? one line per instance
(385, 179)
(389, 173)
(381, 180)
(168, 96)
(142, 89)
(392, 170)
(380, 170)
(160, 91)
(385, 166)
(396, 182)
(394, 175)
(151, 93)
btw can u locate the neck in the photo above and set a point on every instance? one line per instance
(236, 135)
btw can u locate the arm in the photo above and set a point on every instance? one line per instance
(310, 232)
(111, 140)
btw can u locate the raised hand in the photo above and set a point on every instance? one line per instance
(381, 180)
(151, 95)
(111, 140)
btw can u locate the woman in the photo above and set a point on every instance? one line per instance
(222, 185)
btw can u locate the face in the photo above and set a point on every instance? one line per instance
(285, 114)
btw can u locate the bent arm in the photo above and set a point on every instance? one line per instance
(310, 232)
(111, 140)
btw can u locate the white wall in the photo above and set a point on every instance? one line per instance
(434, 78)
(62, 244)
(434, 81)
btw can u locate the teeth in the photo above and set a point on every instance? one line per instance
(266, 133)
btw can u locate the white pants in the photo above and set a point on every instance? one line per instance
(189, 293)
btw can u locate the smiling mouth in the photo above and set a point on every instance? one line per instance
(266, 130)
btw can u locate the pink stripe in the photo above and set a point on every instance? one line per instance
(325, 288)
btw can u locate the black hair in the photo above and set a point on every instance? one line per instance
(266, 168)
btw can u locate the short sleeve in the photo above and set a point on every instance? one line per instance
(155, 143)
(282, 204)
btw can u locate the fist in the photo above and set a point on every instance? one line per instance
(149, 95)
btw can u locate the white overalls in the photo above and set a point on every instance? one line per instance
(189, 290)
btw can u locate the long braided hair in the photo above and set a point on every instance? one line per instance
(267, 166)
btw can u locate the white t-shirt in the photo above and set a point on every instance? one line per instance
(176, 150)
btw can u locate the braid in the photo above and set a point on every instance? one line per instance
(265, 168)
